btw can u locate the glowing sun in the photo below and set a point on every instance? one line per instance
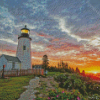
(95, 72)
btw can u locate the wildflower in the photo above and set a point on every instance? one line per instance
(53, 90)
(66, 92)
(62, 91)
(78, 93)
(49, 98)
(74, 90)
(57, 96)
(78, 98)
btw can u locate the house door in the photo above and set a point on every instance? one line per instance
(13, 65)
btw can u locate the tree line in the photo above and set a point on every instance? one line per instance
(61, 67)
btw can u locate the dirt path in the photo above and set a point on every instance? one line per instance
(38, 86)
(46, 84)
(29, 94)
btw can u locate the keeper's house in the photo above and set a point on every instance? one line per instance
(10, 62)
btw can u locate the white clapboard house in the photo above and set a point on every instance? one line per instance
(10, 62)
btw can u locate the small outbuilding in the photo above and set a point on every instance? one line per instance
(38, 67)
(10, 62)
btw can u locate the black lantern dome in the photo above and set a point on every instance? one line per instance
(25, 32)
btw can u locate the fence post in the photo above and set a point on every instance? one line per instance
(20, 72)
(3, 71)
(17, 72)
(39, 71)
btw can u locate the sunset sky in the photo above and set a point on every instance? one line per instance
(67, 30)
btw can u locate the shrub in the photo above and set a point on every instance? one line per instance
(63, 95)
(61, 78)
(82, 83)
(94, 97)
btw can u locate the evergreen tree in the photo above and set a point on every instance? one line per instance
(33, 66)
(45, 62)
(63, 65)
(83, 72)
(77, 70)
(58, 66)
(66, 66)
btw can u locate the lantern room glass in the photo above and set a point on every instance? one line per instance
(25, 31)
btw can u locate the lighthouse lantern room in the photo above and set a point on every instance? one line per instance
(25, 30)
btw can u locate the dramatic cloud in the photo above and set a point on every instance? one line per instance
(38, 48)
(63, 28)
(67, 29)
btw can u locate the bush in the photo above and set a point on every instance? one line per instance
(67, 84)
(85, 85)
(63, 95)
(94, 97)
(61, 78)
(93, 87)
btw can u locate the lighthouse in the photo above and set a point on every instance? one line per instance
(24, 48)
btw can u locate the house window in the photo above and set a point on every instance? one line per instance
(24, 47)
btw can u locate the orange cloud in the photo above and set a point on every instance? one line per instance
(44, 35)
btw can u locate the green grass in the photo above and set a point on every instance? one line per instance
(53, 73)
(10, 89)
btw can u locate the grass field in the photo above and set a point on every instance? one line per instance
(53, 73)
(10, 89)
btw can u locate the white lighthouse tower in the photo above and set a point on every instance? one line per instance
(24, 48)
